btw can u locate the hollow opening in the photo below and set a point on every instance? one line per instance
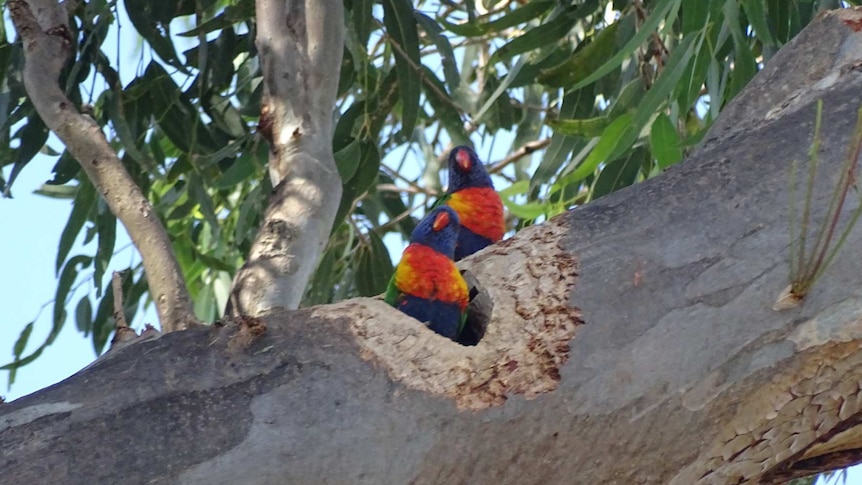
(478, 313)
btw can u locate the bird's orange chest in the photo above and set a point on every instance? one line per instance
(425, 273)
(480, 211)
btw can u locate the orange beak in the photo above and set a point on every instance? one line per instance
(464, 160)
(441, 221)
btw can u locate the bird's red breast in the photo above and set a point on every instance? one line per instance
(425, 273)
(480, 211)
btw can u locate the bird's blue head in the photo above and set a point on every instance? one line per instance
(438, 230)
(466, 170)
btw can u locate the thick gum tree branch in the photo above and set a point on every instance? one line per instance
(43, 29)
(300, 45)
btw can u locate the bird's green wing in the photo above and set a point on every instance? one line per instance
(462, 323)
(391, 295)
(441, 201)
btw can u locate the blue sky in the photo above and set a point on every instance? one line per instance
(31, 226)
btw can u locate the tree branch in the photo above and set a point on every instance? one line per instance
(300, 43)
(46, 48)
(521, 152)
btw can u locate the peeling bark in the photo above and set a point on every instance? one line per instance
(300, 44)
(42, 26)
(681, 372)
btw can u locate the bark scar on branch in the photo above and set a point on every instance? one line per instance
(46, 40)
(526, 342)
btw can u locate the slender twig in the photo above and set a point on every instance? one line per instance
(45, 52)
(442, 96)
(383, 228)
(396, 175)
(360, 236)
(406, 190)
(523, 151)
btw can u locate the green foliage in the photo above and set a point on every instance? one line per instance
(619, 91)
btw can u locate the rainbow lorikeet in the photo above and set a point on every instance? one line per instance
(426, 284)
(471, 193)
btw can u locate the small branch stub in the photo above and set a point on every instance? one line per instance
(122, 332)
(119, 312)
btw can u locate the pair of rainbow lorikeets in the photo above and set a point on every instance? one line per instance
(426, 284)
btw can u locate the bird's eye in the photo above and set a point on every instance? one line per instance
(441, 221)
(465, 162)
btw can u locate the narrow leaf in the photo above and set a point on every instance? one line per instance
(240, 170)
(444, 48)
(588, 128)
(347, 160)
(57, 191)
(81, 207)
(619, 173)
(401, 27)
(658, 93)
(518, 16)
(757, 16)
(603, 149)
(547, 33)
(84, 315)
(374, 267)
(584, 61)
(363, 20)
(561, 145)
(32, 136)
(65, 169)
(664, 142)
(106, 224)
(525, 211)
(64, 284)
(21, 343)
(744, 66)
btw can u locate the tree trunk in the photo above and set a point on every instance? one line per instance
(300, 43)
(681, 372)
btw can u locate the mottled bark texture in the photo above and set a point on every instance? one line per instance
(300, 44)
(42, 25)
(629, 341)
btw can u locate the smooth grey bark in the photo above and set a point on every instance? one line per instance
(42, 25)
(300, 44)
(631, 340)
